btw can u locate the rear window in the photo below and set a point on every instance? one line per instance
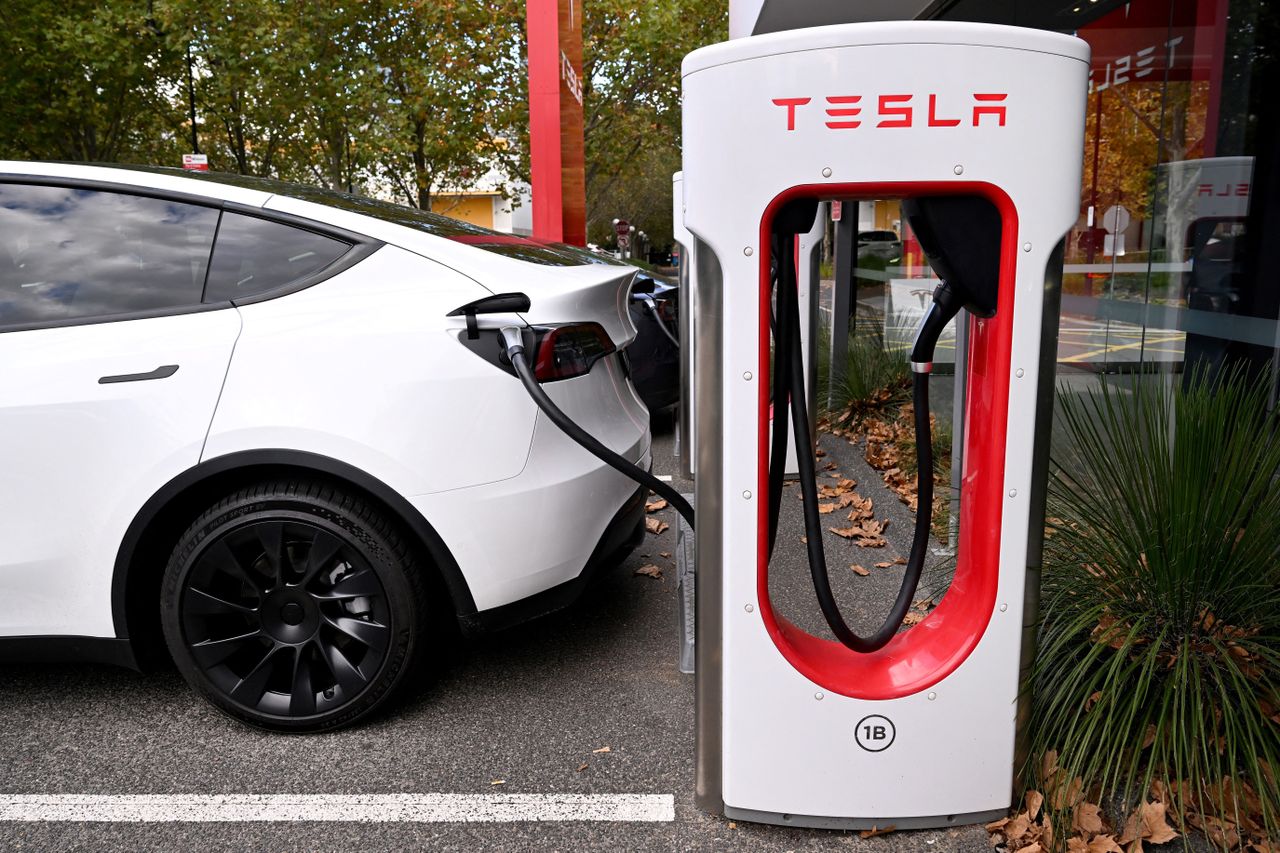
(254, 256)
(510, 245)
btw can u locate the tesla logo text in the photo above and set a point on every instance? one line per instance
(845, 112)
(570, 78)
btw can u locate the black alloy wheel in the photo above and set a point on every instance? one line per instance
(293, 607)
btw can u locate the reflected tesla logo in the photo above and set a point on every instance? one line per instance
(845, 112)
(1224, 190)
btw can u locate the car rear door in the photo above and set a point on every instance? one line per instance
(110, 369)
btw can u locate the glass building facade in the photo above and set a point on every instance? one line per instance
(1174, 263)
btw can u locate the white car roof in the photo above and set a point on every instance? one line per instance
(590, 287)
(295, 200)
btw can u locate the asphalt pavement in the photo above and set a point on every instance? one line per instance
(529, 710)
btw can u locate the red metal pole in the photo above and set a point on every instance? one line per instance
(543, 30)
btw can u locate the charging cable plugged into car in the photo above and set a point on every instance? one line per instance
(961, 237)
(514, 346)
(560, 351)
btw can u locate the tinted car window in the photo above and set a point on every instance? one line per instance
(253, 256)
(522, 248)
(71, 254)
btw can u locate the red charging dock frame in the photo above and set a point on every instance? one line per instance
(928, 652)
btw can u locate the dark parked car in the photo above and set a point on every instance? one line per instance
(879, 245)
(655, 353)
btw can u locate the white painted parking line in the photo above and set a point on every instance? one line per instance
(666, 478)
(357, 808)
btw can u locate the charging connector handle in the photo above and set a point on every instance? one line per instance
(513, 342)
(652, 305)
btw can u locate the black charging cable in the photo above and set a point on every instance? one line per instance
(789, 392)
(513, 342)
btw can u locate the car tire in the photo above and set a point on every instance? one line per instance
(293, 606)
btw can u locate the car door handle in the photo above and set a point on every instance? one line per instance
(163, 372)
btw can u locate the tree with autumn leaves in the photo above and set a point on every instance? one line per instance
(399, 98)
(631, 70)
(410, 96)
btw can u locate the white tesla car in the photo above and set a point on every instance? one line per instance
(242, 423)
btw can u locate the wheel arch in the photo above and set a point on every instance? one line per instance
(155, 529)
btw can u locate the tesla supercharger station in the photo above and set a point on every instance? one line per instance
(795, 728)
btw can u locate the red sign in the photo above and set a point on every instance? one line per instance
(195, 162)
(621, 227)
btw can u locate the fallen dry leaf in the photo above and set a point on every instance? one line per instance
(1103, 844)
(655, 525)
(601, 750)
(732, 825)
(664, 553)
(1017, 827)
(1148, 823)
(875, 830)
(656, 505)
(582, 766)
(497, 781)
(650, 571)
(883, 565)
(1224, 834)
(1034, 801)
(824, 509)
(859, 570)
(1049, 764)
(860, 508)
(819, 453)
(830, 466)
(850, 499)
(1088, 819)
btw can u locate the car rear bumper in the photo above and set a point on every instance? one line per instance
(531, 533)
(623, 534)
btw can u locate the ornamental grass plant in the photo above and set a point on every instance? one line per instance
(1158, 671)
(873, 376)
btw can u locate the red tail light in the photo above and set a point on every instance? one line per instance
(564, 352)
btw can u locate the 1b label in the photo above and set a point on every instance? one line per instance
(875, 733)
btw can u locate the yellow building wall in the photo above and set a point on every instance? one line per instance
(476, 209)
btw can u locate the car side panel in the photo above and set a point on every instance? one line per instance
(521, 536)
(363, 369)
(80, 457)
